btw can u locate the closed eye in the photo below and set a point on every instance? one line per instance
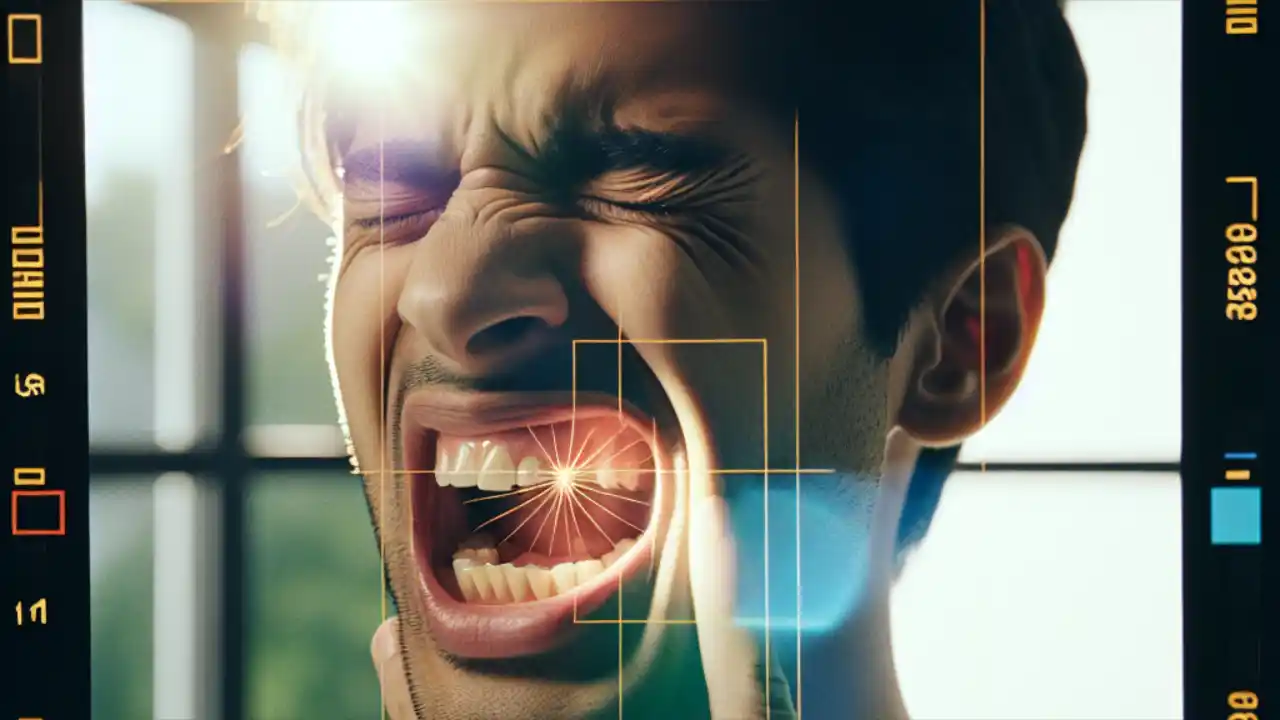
(389, 221)
(658, 209)
(394, 229)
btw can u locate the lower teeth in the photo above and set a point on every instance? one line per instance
(482, 580)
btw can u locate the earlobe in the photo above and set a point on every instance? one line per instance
(980, 327)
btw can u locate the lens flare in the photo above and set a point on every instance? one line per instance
(366, 43)
(832, 569)
(370, 40)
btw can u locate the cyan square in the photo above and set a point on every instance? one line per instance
(1235, 516)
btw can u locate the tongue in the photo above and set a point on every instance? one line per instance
(571, 525)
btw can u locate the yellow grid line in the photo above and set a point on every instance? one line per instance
(766, 472)
(799, 692)
(982, 218)
(764, 382)
(382, 380)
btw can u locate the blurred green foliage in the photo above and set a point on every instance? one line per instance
(314, 601)
(120, 615)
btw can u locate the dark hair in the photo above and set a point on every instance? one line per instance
(898, 119)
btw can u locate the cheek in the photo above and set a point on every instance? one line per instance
(363, 325)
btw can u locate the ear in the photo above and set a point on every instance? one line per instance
(982, 320)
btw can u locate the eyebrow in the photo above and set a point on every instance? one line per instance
(571, 152)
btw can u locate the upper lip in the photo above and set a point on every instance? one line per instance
(471, 414)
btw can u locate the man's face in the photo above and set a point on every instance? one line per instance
(601, 174)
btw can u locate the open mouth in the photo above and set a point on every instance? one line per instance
(524, 525)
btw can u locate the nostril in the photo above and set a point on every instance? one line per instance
(506, 334)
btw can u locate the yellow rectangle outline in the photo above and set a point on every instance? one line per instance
(764, 396)
(39, 22)
(29, 476)
(764, 402)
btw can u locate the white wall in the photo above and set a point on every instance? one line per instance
(1050, 596)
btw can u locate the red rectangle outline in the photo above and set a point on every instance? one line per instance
(62, 512)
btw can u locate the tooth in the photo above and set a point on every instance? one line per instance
(498, 580)
(605, 477)
(460, 571)
(517, 582)
(629, 479)
(442, 468)
(588, 569)
(484, 589)
(487, 556)
(565, 577)
(540, 581)
(497, 473)
(464, 470)
(610, 558)
(623, 546)
(527, 472)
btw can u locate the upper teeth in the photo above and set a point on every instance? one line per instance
(488, 465)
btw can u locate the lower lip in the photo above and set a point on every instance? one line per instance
(477, 631)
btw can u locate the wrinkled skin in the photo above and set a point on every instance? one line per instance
(498, 235)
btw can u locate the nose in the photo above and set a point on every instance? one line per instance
(484, 304)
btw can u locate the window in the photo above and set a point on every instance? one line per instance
(219, 487)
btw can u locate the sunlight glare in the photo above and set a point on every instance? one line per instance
(369, 39)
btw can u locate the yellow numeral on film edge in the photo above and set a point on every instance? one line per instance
(1252, 182)
(1242, 700)
(38, 611)
(28, 385)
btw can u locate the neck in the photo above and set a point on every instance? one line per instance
(851, 674)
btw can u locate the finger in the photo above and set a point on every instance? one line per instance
(385, 648)
(730, 655)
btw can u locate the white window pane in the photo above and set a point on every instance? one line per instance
(1043, 596)
(287, 255)
(139, 187)
(1104, 382)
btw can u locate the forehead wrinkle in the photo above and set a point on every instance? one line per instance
(516, 77)
(547, 86)
(544, 62)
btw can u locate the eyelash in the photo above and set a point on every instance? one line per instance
(600, 206)
(387, 221)
(392, 223)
